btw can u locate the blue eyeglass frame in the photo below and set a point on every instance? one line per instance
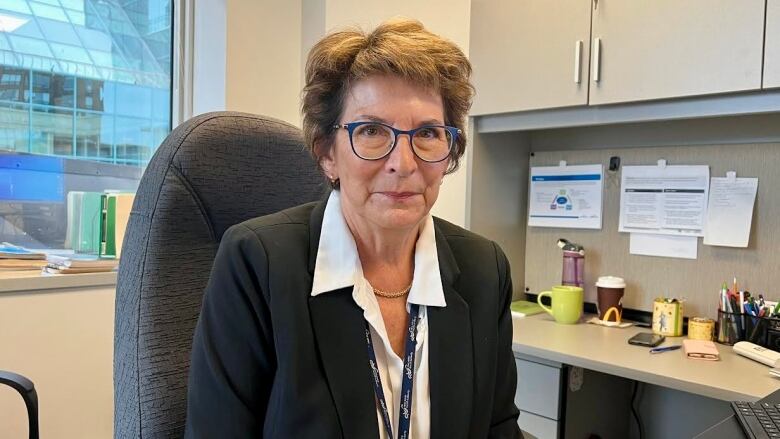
(350, 127)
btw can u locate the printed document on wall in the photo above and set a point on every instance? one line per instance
(730, 211)
(669, 200)
(566, 196)
(668, 246)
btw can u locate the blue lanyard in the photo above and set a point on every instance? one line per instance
(405, 410)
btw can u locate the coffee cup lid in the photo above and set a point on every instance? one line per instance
(611, 282)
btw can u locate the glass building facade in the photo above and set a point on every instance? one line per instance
(86, 79)
(85, 99)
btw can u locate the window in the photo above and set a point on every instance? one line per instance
(85, 99)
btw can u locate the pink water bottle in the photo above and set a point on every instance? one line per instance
(573, 272)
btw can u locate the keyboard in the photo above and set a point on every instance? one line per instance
(758, 420)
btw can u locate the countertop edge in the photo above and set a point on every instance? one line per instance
(31, 282)
(639, 375)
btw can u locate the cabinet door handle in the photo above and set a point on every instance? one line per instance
(577, 54)
(596, 59)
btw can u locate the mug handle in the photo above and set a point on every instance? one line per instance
(539, 301)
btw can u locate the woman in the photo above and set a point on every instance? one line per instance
(363, 316)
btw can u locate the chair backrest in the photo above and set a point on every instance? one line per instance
(211, 172)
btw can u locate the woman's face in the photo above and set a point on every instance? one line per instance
(397, 191)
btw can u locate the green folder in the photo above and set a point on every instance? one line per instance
(88, 234)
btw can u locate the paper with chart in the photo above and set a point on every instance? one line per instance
(669, 200)
(566, 196)
(730, 211)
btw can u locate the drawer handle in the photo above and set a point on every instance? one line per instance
(577, 55)
(596, 59)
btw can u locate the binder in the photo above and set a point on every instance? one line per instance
(115, 213)
(73, 206)
(85, 231)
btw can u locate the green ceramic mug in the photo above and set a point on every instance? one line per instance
(567, 302)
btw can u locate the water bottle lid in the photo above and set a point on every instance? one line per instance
(611, 282)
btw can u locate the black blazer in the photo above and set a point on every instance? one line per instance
(269, 358)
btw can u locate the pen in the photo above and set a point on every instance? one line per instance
(664, 349)
(742, 302)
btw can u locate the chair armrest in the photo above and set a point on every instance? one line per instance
(25, 388)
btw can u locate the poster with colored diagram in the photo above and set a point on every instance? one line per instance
(566, 196)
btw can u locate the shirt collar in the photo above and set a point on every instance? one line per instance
(338, 264)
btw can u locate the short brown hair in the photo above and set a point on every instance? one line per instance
(400, 47)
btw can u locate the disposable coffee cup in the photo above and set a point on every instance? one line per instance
(610, 291)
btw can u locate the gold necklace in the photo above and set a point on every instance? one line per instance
(387, 295)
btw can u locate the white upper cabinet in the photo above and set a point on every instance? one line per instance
(656, 49)
(772, 45)
(529, 54)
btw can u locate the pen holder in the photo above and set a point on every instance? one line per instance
(668, 317)
(731, 328)
(734, 327)
(755, 329)
(763, 331)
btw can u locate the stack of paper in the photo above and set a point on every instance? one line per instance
(13, 258)
(74, 264)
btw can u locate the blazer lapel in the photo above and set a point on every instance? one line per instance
(451, 354)
(338, 326)
(339, 331)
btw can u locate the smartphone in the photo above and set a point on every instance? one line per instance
(646, 339)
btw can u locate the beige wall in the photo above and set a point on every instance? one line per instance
(63, 341)
(449, 18)
(263, 58)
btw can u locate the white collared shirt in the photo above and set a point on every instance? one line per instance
(338, 266)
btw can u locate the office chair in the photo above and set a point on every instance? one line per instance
(211, 172)
(27, 390)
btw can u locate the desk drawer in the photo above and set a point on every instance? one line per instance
(538, 388)
(535, 426)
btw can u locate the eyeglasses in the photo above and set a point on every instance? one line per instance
(375, 140)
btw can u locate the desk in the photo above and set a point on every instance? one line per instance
(606, 350)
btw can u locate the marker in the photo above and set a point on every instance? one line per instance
(664, 349)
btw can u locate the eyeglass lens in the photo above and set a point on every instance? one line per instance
(372, 141)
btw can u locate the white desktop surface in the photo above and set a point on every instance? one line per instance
(607, 350)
